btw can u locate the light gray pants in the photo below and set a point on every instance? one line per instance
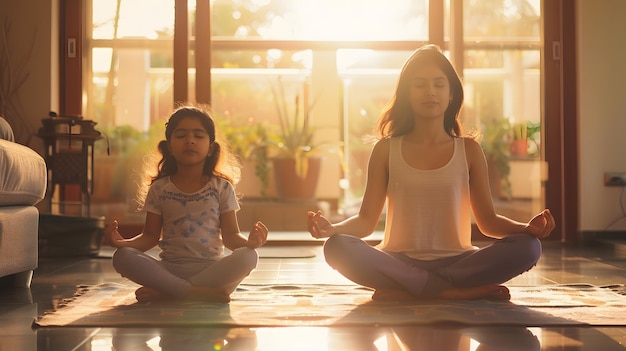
(175, 279)
(378, 269)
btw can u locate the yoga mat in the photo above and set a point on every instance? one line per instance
(114, 305)
(264, 252)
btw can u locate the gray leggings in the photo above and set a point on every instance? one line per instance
(175, 279)
(378, 269)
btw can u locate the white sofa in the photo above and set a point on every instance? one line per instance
(23, 182)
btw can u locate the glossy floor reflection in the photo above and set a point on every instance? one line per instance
(56, 279)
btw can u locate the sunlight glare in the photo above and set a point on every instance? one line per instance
(283, 339)
(381, 343)
(154, 343)
(303, 20)
(137, 18)
(341, 20)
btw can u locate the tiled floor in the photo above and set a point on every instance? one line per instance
(56, 279)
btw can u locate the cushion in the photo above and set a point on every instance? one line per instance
(23, 175)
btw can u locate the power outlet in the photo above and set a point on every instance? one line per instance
(615, 179)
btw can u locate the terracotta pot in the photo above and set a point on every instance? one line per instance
(519, 148)
(289, 185)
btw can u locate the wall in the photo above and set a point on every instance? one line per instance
(31, 23)
(602, 110)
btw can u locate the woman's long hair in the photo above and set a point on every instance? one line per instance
(397, 118)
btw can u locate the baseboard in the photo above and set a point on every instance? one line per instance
(590, 236)
(615, 241)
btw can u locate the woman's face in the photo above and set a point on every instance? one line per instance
(190, 143)
(429, 92)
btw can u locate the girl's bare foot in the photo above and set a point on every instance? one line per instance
(144, 294)
(483, 292)
(196, 293)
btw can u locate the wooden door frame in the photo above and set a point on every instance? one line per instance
(560, 116)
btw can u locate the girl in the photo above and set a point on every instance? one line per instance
(433, 179)
(191, 214)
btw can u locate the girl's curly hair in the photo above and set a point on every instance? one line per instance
(221, 163)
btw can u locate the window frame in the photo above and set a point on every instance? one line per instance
(558, 81)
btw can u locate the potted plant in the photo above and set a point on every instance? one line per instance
(494, 141)
(296, 166)
(524, 137)
(519, 140)
(249, 141)
(534, 134)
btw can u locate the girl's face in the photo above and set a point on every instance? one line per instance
(429, 92)
(190, 143)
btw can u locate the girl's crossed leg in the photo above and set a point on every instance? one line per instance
(164, 280)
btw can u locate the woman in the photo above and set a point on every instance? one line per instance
(433, 178)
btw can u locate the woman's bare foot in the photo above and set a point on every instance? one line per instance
(483, 292)
(392, 295)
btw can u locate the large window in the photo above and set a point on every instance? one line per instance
(321, 20)
(343, 62)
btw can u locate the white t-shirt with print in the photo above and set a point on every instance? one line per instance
(191, 221)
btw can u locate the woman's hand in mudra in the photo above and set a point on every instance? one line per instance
(319, 226)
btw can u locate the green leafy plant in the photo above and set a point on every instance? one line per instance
(249, 140)
(534, 133)
(495, 144)
(296, 132)
(119, 140)
(519, 131)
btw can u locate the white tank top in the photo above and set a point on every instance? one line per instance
(428, 211)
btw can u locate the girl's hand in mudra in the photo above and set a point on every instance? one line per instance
(112, 236)
(258, 235)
